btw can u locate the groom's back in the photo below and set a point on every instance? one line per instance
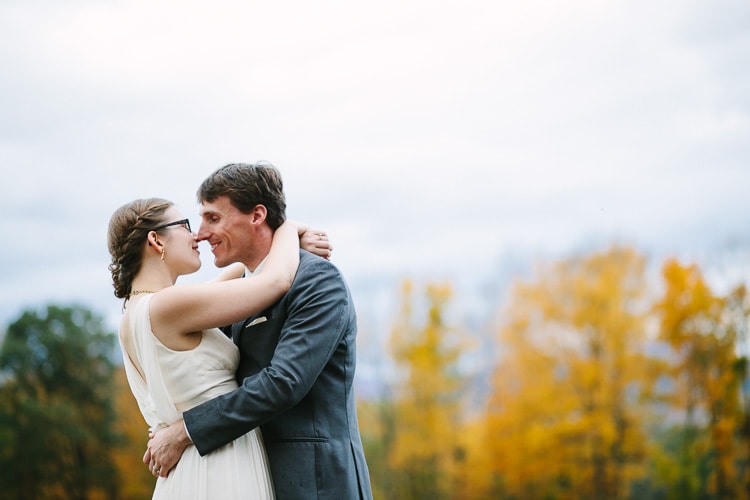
(313, 446)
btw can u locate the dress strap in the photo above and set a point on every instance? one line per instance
(150, 391)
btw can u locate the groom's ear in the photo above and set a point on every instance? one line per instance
(258, 214)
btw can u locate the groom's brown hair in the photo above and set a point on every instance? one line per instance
(247, 185)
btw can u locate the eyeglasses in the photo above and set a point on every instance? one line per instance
(183, 222)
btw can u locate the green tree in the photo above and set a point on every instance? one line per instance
(56, 406)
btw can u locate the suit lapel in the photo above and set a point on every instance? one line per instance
(237, 329)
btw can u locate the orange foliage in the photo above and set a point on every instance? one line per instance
(704, 331)
(426, 443)
(564, 418)
(602, 390)
(135, 480)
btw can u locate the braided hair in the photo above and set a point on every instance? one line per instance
(128, 229)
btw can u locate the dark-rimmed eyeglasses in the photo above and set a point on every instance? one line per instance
(182, 222)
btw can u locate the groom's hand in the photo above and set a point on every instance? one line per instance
(165, 448)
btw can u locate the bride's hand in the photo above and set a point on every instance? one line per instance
(317, 242)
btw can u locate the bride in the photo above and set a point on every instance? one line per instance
(174, 353)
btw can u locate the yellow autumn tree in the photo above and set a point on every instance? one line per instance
(425, 448)
(704, 331)
(565, 415)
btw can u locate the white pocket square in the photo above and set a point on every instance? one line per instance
(261, 319)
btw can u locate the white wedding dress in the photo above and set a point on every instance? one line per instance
(165, 383)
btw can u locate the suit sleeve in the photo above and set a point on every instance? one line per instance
(318, 305)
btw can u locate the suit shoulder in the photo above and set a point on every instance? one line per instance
(314, 268)
(309, 261)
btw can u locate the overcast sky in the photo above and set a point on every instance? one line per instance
(440, 140)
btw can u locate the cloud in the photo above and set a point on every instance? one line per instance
(428, 139)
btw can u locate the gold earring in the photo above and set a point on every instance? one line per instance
(163, 251)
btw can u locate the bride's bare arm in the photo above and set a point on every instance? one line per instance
(232, 271)
(313, 240)
(182, 309)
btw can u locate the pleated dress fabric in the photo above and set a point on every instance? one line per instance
(165, 383)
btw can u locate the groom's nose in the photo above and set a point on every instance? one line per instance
(202, 233)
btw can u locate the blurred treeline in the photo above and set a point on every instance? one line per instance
(608, 383)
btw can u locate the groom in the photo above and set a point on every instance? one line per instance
(297, 358)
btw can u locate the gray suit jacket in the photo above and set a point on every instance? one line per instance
(296, 374)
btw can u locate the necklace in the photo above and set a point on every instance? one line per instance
(138, 292)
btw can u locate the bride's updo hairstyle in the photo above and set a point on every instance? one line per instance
(128, 229)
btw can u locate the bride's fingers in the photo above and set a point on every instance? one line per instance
(317, 242)
(324, 251)
(324, 245)
(320, 237)
(323, 242)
